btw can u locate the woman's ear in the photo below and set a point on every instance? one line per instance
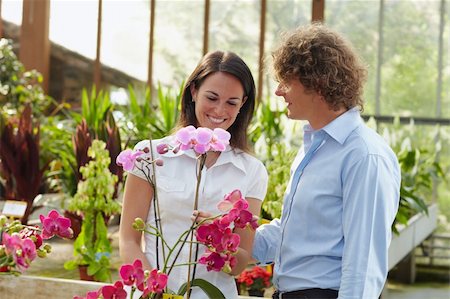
(193, 92)
(243, 101)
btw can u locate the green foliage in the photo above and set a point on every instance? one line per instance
(143, 118)
(417, 152)
(56, 143)
(279, 173)
(18, 86)
(94, 201)
(267, 127)
(20, 168)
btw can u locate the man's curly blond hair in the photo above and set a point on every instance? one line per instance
(324, 62)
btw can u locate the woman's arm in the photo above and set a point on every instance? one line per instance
(136, 203)
(244, 254)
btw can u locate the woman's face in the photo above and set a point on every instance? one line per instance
(218, 100)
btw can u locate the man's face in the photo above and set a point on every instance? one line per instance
(301, 104)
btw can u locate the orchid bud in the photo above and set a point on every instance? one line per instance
(162, 148)
(226, 268)
(138, 224)
(159, 162)
(47, 248)
(41, 253)
(3, 220)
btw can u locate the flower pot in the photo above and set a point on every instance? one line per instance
(84, 275)
(256, 293)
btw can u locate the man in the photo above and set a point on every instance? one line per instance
(333, 236)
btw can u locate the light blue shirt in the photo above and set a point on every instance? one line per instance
(335, 232)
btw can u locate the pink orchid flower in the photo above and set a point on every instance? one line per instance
(231, 199)
(55, 224)
(202, 140)
(133, 274)
(22, 251)
(220, 139)
(127, 158)
(213, 261)
(115, 291)
(156, 282)
(185, 137)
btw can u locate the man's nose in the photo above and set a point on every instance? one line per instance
(280, 90)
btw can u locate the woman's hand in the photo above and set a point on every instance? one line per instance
(201, 217)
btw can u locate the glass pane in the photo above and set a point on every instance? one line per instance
(409, 70)
(73, 25)
(281, 16)
(12, 11)
(358, 22)
(178, 40)
(234, 26)
(124, 44)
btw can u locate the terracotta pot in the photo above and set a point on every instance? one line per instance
(84, 275)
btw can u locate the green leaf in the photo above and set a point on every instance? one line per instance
(210, 290)
(71, 265)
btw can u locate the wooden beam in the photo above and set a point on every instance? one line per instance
(262, 31)
(34, 50)
(97, 65)
(206, 27)
(150, 47)
(1, 20)
(318, 11)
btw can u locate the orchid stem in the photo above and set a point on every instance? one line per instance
(201, 161)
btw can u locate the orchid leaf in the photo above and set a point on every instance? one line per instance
(210, 290)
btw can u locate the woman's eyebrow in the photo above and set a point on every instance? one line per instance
(217, 95)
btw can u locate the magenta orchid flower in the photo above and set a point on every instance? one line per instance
(209, 234)
(133, 274)
(55, 224)
(156, 282)
(213, 261)
(115, 291)
(230, 241)
(127, 158)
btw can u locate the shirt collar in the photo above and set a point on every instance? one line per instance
(229, 155)
(341, 127)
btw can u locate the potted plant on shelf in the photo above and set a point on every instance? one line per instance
(93, 201)
(255, 280)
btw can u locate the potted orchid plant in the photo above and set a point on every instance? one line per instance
(20, 244)
(215, 232)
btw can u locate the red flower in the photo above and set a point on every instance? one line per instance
(255, 278)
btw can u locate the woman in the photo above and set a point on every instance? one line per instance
(220, 93)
